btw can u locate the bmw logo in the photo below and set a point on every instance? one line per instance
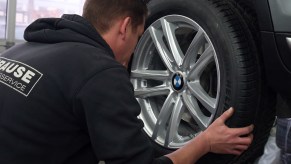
(177, 81)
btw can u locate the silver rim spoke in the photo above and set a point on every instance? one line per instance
(193, 48)
(174, 122)
(150, 74)
(157, 37)
(149, 92)
(195, 111)
(169, 32)
(164, 116)
(208, 102)
(201, 64)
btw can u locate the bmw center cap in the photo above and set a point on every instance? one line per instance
(177, 81)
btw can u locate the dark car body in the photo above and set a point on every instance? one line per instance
(274, 20)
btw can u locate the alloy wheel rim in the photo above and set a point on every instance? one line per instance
(176, 79)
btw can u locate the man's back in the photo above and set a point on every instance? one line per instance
(59, 98)
(37, 117)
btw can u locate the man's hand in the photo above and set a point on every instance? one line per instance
(217, 138)
(224, 140)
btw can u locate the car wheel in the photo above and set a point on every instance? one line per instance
(196, 59)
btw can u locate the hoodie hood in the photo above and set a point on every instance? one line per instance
(68, 28)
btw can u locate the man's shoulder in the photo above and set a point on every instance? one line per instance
(70, 58)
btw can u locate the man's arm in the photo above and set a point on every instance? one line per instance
(217, 138)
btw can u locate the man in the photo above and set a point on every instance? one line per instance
(66, 96)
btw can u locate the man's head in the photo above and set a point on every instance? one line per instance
(103, 13)
(120, 23)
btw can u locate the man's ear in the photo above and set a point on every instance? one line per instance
(125, 25)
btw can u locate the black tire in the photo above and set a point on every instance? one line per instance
(241, 77)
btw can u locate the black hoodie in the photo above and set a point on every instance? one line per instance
(64, 99)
